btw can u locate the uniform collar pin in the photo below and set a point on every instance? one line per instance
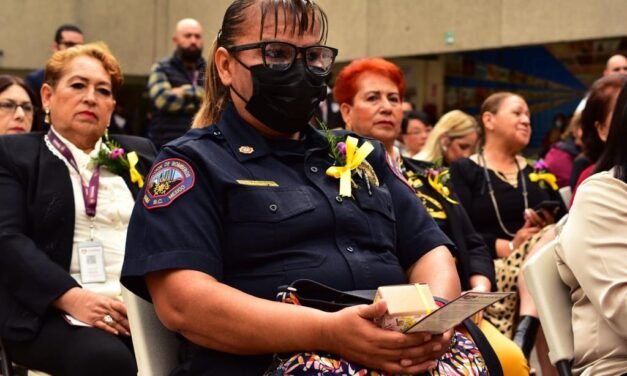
(246, 150)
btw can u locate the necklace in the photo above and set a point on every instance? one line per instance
(493, 197)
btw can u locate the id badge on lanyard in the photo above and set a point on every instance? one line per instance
(91, 262)
(90, 253)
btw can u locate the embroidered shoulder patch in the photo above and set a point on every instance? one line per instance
(167, 181)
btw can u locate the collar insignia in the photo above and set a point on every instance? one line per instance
(246, 150)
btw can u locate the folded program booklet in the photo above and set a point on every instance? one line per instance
(456, 311)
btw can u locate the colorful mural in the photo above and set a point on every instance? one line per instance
(553, 78)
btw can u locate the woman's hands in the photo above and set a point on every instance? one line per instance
(92, 308)
(533, 224)
(352, 334)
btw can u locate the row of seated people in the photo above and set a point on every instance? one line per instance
(224, 216)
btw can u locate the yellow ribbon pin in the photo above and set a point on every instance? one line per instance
(354, 157)
(439, 187)
(547, 177)
(136, 177)
(423, 298)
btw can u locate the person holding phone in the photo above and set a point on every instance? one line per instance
(495, 189)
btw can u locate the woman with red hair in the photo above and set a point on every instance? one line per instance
(369, 92)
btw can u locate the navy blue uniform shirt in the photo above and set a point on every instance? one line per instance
(256, 214)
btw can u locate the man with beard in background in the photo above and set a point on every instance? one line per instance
(175, 84)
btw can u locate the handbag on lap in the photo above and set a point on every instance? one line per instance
(464, 356)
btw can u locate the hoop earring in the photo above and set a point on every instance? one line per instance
(47, 116)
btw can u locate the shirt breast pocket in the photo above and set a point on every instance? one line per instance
(268, 204)
(379, 211)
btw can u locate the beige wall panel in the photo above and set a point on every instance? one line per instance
(139, 31)
(208, 12)
(412, 27)
(126, 26)
(348, 20)
(425, 80)
(541, 21)
(27, 28)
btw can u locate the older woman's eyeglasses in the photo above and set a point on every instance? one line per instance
(280, 56)
(9, 107)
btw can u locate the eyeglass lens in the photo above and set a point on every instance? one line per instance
(280, 56)
(11, 107)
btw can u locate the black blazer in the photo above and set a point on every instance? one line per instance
(472, 253)
(37, 228)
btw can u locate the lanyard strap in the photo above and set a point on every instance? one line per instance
(90, 191)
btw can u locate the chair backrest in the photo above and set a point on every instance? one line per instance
(155, 346)
(566, 193)
(552, 298)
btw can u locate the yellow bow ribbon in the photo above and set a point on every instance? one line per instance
(354, 157)
(547, 177)
(423, 298)
(439, 187)
(136, 177)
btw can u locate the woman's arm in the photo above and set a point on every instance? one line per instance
(481, 265)
(594, 246)
(216, 316)
(461, 185)
(460, 182)
(437, 269)
(32, 277)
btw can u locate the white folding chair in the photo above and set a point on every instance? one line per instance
(552, 298)
(155, 346)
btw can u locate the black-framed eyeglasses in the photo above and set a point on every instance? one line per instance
(279, 56)
(9, 107)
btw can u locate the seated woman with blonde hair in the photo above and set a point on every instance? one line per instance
(454, 136)
(66, 199)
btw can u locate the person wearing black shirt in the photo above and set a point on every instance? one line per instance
(496, 190)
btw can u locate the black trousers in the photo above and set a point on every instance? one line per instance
(64, 350)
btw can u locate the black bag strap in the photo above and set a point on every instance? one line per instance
(491, 360)
(485, 348)
(325, 298)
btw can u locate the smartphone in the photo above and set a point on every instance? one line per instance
(550, 206)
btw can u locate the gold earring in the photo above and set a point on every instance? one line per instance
(47, 117)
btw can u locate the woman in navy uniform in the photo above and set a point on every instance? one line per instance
(235, 209)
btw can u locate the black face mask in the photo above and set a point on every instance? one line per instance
(284, 101)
